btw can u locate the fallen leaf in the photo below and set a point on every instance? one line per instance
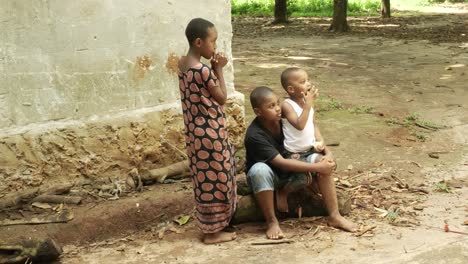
(42, 205)
(393, 189)
(383, 212)
(345, 183)
(58, 208)
(175, 230)
(161, 233)
(183, 219)
(121, 249)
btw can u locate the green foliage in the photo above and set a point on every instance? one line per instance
(413, 117)
(429, 124)
(415, 121)
(408, 3)
(361, 109)
(334, 104)
(442, 187)
(252, 7)
(392, 121)
(419, 135)
(419, 3)
(297, 8)
(391, 216)
(450, 1)
(324, 104)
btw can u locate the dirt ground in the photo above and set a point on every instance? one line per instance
(393, 99)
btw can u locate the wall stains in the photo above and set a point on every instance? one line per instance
(172, 63)
(142, 65)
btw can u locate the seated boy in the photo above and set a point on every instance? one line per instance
(302, 138)
(268, 170)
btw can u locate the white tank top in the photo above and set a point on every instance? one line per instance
(299, 140)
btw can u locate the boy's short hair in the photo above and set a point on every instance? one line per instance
(257, 96)
(197, 28)
(286, 74)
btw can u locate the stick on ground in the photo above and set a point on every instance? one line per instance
(273, 242)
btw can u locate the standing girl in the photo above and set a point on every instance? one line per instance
(211, 156)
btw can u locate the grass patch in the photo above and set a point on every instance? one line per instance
(391, 217)
(419, 135)
(414, 120)
(301, 8)
(450, 1)
(327, 104)
(364, 109)
(442, 187)
(324, 8)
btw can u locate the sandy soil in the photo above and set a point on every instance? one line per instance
(391, 94)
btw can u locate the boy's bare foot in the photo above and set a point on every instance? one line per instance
(282, 201)
(341, 222)
(274, 231)
(219, 237)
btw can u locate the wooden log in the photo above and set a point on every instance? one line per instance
(180, 169)
(177, 170)
(57, 199)
(309, 201)
(62, 217)
(243, 188)
(17, 199)
(58, 189)
(30, 251)
(247, 210)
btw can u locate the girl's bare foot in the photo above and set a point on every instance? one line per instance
(219, 237)
(282, 201)
(274, 231)
(341, 222)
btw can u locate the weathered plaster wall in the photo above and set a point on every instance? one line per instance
(87, 85)
(71, 59)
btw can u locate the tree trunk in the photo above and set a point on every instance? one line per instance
(339, 23)
(280, 12)
(385, 8)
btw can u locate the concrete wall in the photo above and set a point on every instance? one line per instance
(79, 79)
(72, 59)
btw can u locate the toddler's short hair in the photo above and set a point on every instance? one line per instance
(286, 74)
(197, 28)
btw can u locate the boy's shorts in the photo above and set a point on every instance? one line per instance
(261, 176)
(307, 156)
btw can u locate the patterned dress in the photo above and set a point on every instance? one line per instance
(209, 151)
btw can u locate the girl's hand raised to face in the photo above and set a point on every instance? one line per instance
(219, 60)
